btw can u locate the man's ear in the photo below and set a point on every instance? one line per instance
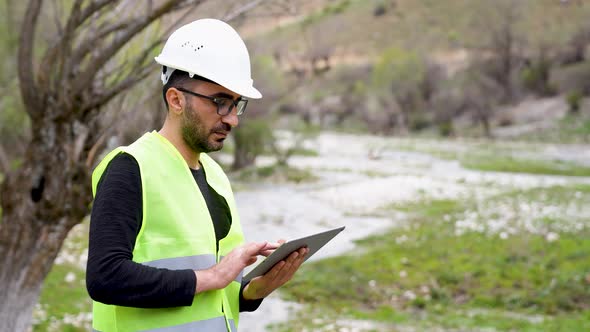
(176, 101)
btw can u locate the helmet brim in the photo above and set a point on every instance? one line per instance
(245, 89)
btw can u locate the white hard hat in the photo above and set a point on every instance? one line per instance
(211, 49)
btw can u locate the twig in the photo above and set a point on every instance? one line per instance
(240, 11)
(28, 87)
(4, 164)
(85, 78)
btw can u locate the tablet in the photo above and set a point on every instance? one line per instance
(312, 242)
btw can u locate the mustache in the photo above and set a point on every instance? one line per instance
(223, 127)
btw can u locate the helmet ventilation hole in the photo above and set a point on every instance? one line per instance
(191, 45)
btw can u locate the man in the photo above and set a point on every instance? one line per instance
(166, 250)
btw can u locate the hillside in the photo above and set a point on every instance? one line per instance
(429, 26)
(351, 58)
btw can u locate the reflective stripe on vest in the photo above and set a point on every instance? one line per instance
(197, 262)
(176, 233)
(215, 324)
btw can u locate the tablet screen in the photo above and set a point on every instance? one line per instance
(312, 242)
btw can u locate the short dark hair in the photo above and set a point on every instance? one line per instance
(176, 80)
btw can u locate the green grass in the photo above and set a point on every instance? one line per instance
(493, 156)
(300, 151)
(499, 163)
(430, 210)
(61, 300)
(276, 173)
(583, 128)
(570, 129)
(427, 276)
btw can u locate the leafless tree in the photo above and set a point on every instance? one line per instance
(92, 57)
(537, 71)
(447, 104)
(578, 45)
(491, 78)
(504, 46)
(482, 97)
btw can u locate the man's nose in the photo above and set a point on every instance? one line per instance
(231, 119)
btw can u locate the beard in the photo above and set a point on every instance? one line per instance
(196, 136)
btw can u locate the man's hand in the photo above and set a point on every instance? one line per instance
(279, 275)
(221, 274)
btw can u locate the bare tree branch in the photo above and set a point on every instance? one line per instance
(181, 19)
(59, 52)
(91, 43)
(105, 29)
(76, 148)
(4, 164)
(94, 7)
(121, 86)
(86, 77)
(56, 14)
(110, 127)
(64, 44)
(139, 67)
(94, 150)
(88, 27)
(28, 87)
(242, 10)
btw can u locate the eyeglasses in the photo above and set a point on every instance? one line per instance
(224, 105)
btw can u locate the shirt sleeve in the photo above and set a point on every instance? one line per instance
(111, 275)
(248, 305)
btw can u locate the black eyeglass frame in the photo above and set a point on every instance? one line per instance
(221, 102)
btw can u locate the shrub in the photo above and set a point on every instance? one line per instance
(573, 100)
(252, 138)
(395, 87)
(446, 128)
(379, 10)
(536, 78)
(419, 122)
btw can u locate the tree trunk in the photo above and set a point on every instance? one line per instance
(485, 122)
(40, 202)
(29, 249)
(63, 92)
(4, 163)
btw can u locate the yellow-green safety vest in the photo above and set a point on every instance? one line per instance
(176, 233)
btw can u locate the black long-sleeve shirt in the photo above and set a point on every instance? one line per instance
(111, 275)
